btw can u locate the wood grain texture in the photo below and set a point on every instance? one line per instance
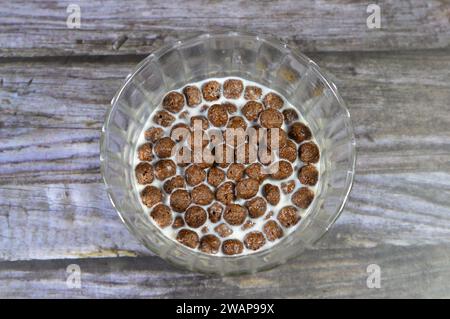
(128, 27)
(53, 203)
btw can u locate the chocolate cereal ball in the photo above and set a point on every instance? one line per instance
(195, 175)
(162, 215)
(235, 171)
(231, 108)
(308, 175)
(232, 88)
(173, 102)
(202, 195)
(215, 212)
(256, 207)
(299, 132)
(232, 247)
(273, 100)
(165, 169)
(180, 132)
(153, 134)
(195, 216)
(225, 193)
(193, 95)
(164, 147)
(178, 222)
(288, 187)
(180, 199)
(201, 120)
(145, 152)
(272, 230)
(151, 196)
(237, 122)
(215, 176)
(251, 110)
(223, 230)
(303, 197)
(309, 153)
(211, 91)
(254, 240)
(188, 238)
(284, 170)
(163, 118)
(288, 216)
(290, 115)
(271, 118)
(252, 92)
(218, 115)
(289, 151)
(209, 244)
(256, 171)
(271, 193)
(277, 143)
(174, 183)
(247, 188)
(235, 214)
(144, 173)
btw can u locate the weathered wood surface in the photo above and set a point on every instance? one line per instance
(128, 27)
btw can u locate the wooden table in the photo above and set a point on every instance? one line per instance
(56, 84)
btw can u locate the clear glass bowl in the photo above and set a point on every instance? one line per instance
(261, 59)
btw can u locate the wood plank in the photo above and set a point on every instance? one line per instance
(129, 27)
(406, 272)
(53, 203)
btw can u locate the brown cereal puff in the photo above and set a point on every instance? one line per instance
(278, 143)
(144, 173)
(251, 110)
(254, 240)
(289, 151)
(165, 169)
(195, 216)
(237, 122)
(284, 170)
(252, 92)
(174, 183)
(247, 225)
(308, 175)
(215, 212)
(273, 100)
(200, 119)
(193, 95)
(198, 140)
(303, 197)
(247, 188)
(218, 115)
(271, 193)
(256, 207)
(223, 230)
(153, 134)
(231, 108)
(211, 91)
(309, 152)
(164, 147)
(202, 195)
(256, 171)
(162, 215)
(173, 102)
(180, 199)
(209, 244)
(232, 247)
(235, 214)
(225, 193)
(163, 118)
(180, 132)
(299, 132)
(151, 196)
(290, 115)
(272, 230)
(188, 238)
(215, 176)
(145, 152)
(178, 222)
(183, 156)
(271, 118)
(223, 155)
(235, 171)
(195, 175)
(288, 216)
(288, 187)
(232, 88)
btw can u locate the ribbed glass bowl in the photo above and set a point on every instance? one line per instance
(253, 57)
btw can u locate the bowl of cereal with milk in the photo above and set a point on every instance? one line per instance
(228, 153)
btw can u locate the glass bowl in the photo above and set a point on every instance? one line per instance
(261, 59)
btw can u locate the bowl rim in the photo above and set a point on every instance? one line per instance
(320, 73)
